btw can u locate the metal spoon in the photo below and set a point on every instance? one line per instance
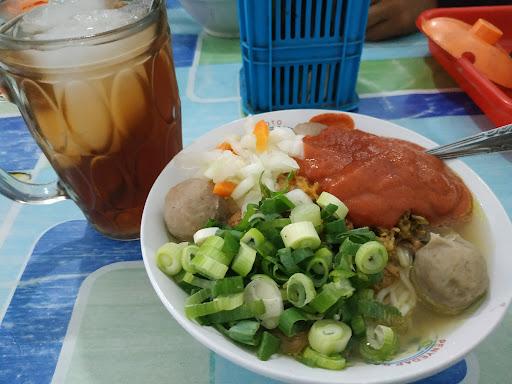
(495, 140)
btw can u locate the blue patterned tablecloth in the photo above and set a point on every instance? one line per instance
(76, 307)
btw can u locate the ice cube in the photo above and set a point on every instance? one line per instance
(62, 19)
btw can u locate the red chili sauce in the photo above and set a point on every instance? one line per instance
(380, 178)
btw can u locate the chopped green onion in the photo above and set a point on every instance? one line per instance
(358, 325)
(197, 281)
(361, 280)
(315, 359)
(336, 226)
(328, 212)
(198, 297)
(298, 196)
(215, 242)
(276, 204)
(209, 267)
(300, 290)
(359, 235)
(168, 258)
(231, 245)
(221, 303)
(292, 321)
(178, 279)
(340, 311)
(186, 258)
(245, 311)
(301, 254)
(318, 270)
(381, 344)
(281, 222)
(306, 212)
(253, 237)
(365, 294)
(272, 235)
(266, 249)
(274, 270)
(326, 198)
(244, 260)
(244, 223)
(329, 336)
(288, 261)
(345, 257)
(213, 253)
(228, 286)
(330, 294)
(371, 257)
(264, 288)
(269, 345)
(201, 235)
(383, 313)
(340, 274)
(326, 254)
(245, 332)
(300, 235)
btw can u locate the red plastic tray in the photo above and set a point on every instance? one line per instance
(494, 100)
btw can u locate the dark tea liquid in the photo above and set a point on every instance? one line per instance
(108, 130)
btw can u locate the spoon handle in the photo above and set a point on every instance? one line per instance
(495, 140)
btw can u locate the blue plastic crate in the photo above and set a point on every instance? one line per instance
(300, 53)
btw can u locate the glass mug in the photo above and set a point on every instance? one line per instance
(105, 111)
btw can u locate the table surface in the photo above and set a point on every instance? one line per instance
(76, 307)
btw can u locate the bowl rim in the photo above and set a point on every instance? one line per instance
(264, 369)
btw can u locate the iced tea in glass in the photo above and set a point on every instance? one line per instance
(103, 106)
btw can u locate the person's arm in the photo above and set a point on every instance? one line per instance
(471, 3)
(392, 18)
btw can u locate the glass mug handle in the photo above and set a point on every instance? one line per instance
(23, 192)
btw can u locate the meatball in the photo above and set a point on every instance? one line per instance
(189, 205)
(449, 274)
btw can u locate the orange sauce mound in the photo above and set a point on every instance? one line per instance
(381, 178)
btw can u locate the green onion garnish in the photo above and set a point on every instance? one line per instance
(292, 321)
(269, 345)
(326, 199)
(168, 258)
(187, 255)
(197, 281)
(329, 336)
(245, 311)
(244, 260)
(381, 344)
(227, 286)
(300, 235)
(306, 212)
(245, 332)
(330, 294)
(300, 290)
(209, 267)
(315, 359)
(371, 257)
(265, 289)
(221, 303)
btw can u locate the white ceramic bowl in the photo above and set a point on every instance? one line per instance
(448, 348)
(218, 17)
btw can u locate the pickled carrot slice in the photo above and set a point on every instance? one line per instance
(224, 188)
(225, 146)
(261, 132)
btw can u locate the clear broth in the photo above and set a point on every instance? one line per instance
(427, 326)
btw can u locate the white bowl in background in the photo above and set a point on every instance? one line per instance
(218, 17)
(450, 346)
